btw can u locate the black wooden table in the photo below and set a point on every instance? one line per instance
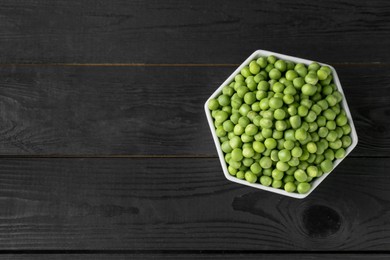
(106, 152)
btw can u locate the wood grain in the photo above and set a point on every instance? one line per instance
(137, 111)
(141, 256)
(185, 204)
(191, 31)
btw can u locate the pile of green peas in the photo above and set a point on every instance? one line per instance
(281, 124)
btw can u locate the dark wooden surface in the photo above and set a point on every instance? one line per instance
(104, 148)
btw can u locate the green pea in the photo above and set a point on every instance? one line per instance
(265, 162)
(298, 82)
(322, 74)
(250, 177)
(274, 74)
(259, 77)
(251, 129)
(329, 154)
(244, 109)
(271, 59)
(247, 162)
(332, 136)
(277, 175)
(329, 114)
(263, 85)
(332, 100)
(234, 164)
(281, 65)
(232, 171)
(301, 70)
(254, 68)
(266, 132)
(226, 148)
(284, 155)
(274, 156)
(258, 147)
(220, 131)
(336, 144)
(296, 152)
(346, 129)
(259, 137)
(267, 172)
(277, 184)
(303, 187)
(300, 134)
(300, 175)
(275, 103)
(213, 104)
(265, 180)
(262, 61)
(270, 143)
(311, 147)
(246, 72)
(235, 142)
(327, 90)
(295, 121)
(312, 171)
(237, 154)
(347, 141)
(319, 158)
(309, 89)
(307, 102)
(337, 95)
(340, 153)
(289, 145)
(224, 100)
(240, 175)
(323, 104)
(282, 166)
(311, 117)
(241, 91)
(341, 120)
(327, 166)
(314, 66)
(290, 187)
(305, 155)
(280, 125)
(291, 75)
(256, 168)
(326, 81)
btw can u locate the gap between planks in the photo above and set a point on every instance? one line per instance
(342, 64)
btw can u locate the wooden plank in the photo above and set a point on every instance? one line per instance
(287, 256)
(92, 111)
(192, 31)
(185, 204)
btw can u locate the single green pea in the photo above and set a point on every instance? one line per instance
(346, 129)
(311, 147)
(303, 187)
(277, 175)
(259, 77)
(235, 142)
(340, 153)
(275, 103)
(263, 85)
(279, 114)
(280, 65)
(323, 132)
(234, 164)
(279, 95)
(309, 89)
(313, 126)
(280, 125)
(298, 82)
(329, 154)
(269, 114)
(274, 74)
(300, 175)
(262, 61)
(227, 109)
(314, 66)
(228, 126)
(278, 87)
(341, 120)
(243, 168)
(329, 114)
(246, 72)
(246, 138)
(241, 91)
(256, 107)
(261, 94)
(236, 103)
(311, 78)
(239, 78)
(332, 100)
(316, 109)
(284, 155)
(244, 109)
(331, 125)
(220, 131)
(250, 98)
(258, 147)
(291, 75)
(336, 144)
(326, 81)
(256, 168)
(322, 74)
(347, 141)
(332, 136)
(300, 134)
(270, 143)
(228, 156)
(221, 116)
(240, 175)
(223, 139)
(237, 154)
(232, 171)
(226, 148)
(274, 156)
(327, 90)
(259, 137)
(265, 123)
(247, 162)
(267, 172)
(302, 111)
(254, 68)
(311, 116)
(319, 159)
(301, 70)
(251, 129)
(250, 177)
(312, 171)
(271, 59)
(224, 100)
(290, 187)
(339, 132)
(295, 121)
(266, 132)
(243, 121)
(323, 104)
(277, 184)
(296, 152)
(338, 96)
(327, 166)
(264, 104)
(289, 145)
(280, 142)
(213, 104)
(282, 166)
(248, 152)
(289, 135)
(311, 158)
(288, 99)
(314, 137)
(303, 165)
(305, 155)
(265, 180)
(265, 162)
(238, 130)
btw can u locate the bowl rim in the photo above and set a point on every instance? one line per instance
(344, 104)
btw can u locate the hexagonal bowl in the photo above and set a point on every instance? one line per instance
(317, 181)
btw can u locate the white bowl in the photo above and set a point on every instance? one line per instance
(317, 181)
